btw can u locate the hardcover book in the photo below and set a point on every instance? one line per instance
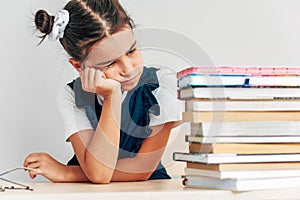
(237, 148)
(242, 174)
(238, 93)
(240, 116)
(245, 166)
(213, 80)
(253, 128)
(242, 105)
(240, 184)
(241, 70)
(234, 158)
(242, 139)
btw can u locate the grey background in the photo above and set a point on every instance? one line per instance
(231, 32)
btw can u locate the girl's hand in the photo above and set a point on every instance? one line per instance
(46, 166)
(95, 81)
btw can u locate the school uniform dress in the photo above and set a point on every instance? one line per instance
(152, 102)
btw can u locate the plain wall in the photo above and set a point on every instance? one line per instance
(231, 32)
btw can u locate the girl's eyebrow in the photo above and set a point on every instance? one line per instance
(110, 61)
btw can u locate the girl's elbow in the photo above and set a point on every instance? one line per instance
(100, 179)
(145, 176)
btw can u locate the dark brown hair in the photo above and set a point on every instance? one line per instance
(90, 21)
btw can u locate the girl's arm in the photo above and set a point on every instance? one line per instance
(129, 169)
(97, 153)
(140, 167)
(144, 164)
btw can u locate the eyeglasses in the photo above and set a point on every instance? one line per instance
(15, 185)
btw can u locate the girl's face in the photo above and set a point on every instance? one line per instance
(119, 58)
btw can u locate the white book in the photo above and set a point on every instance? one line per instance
(238, 93)
(234, 158)
(259, 128)
(240, 184)
(242, 105)
(242, 139)
(237, 80)
(242, 174)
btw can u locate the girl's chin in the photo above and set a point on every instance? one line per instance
(127, 87)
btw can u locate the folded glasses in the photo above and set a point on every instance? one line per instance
(15, 185)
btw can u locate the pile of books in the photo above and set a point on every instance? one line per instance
(244, 127)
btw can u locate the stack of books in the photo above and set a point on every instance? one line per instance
(244, 127)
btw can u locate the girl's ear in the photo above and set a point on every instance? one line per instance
(76, 64)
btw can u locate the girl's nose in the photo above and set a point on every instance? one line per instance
(125, 65)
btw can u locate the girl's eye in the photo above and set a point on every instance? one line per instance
(132, 51)
(107, 66)
(110, 64)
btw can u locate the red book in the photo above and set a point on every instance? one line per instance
(239, 70)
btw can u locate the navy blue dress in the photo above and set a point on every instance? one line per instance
(136, 107)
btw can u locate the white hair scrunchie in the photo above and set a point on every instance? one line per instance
(60, 22)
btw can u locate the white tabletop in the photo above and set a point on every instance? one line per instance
(156, 189)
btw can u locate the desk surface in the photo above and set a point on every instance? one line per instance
(156, 189)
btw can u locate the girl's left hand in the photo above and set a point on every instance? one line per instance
(46, 166)
(95, 81)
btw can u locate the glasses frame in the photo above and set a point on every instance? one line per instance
(18, 186)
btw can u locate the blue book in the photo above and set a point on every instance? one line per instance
(238, 80)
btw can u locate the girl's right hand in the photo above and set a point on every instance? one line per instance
(95, 81)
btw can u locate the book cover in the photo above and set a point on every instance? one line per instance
(245, 70)
(242, 105)
(245, 166)
(213, 80)
(238, 93)
(239, 116)
(236, 148)
(242, 174)
(234, 158)
(242, 139)
(253, 128)
(240, 184)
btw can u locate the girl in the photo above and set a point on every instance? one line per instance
(118, 115)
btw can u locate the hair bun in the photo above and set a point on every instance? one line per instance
(43, 21)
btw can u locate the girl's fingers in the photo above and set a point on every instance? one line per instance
(91, 79)
(84, 78)
(99, 77)
(30, 159)
(33, 173)
(88, 79)
(33, 158)
(34, 165)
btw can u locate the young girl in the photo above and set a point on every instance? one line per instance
(118, 114)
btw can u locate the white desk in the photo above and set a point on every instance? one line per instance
(157, 189)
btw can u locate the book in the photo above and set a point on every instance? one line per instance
(242, 139)
(245, 166)
(213, 80)
(240, 184)
(242, 174)
(245, 70)
(234, 158)
(253, 128)
(232, 148)
(239, 116)
(243, 105)
(238, 93)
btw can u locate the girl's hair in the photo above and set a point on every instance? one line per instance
(90, 21)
